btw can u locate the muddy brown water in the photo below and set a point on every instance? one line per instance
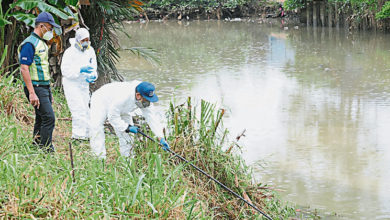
(314, 102)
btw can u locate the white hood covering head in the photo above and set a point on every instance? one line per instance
(81, 34)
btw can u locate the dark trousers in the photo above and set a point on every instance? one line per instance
(44, 117)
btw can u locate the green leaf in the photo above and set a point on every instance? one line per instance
(58, 3)
(69, 11)
(138, 188)
(4, 22)
(26, 4)
(3, 56)
(385, 12)
(30, 4)
(72, 2)
(28, 19)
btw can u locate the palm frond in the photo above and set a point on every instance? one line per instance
(149, 54)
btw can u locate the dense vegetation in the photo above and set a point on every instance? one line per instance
(195, 4)
(358, 8)
(204, 9)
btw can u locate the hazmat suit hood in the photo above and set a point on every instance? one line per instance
(81, 34)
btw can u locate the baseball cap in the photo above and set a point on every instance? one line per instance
(46, 17)
(146, 89)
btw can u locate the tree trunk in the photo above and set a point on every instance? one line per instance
(219, 13)
(309, 13)
(330, 15)
(322, 13)
(315, 14)
(336, 9)
(9, 41)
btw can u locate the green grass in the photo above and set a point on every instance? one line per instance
(151, 185)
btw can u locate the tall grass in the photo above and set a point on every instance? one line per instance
(151, 185)
(34, 184)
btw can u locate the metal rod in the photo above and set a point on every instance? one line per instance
(210, 177)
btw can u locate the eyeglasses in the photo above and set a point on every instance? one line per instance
(48, 29)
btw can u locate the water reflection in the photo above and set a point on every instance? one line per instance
(280, 52)
(314, 102)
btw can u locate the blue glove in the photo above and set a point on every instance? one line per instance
(90, 79)
(132, 129)
(86, 69)
(165, 145)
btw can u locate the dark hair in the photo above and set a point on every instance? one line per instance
(37, 24)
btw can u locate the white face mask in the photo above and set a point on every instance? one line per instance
(48, 35)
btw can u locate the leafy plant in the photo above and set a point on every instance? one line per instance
(294, 4)
(172, 5)
(385, 11)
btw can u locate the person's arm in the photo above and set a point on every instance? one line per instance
(154, 121)
(26, 59)
(27, 80)
(94, 63)
(68, 68)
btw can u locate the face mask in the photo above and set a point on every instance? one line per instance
(48, 35)
(85, 45)
(142, 104)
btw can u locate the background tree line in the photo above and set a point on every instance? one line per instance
(357, 14)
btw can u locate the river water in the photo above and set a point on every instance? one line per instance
(314, 102)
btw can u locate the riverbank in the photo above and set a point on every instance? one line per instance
(151, 185)
(355, 15)
(207, 11)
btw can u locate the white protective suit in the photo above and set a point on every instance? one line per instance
(116, 102)
(76, 87)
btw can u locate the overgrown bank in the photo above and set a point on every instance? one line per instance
(151, 185)
(192, 9)
(352, 14)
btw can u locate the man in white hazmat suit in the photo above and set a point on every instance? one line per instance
(78, 69)
(115, 102)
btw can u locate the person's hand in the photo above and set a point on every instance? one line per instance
(165, 145)
(34, 100)
(132, 129)
(90, 79)
(86, 69)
